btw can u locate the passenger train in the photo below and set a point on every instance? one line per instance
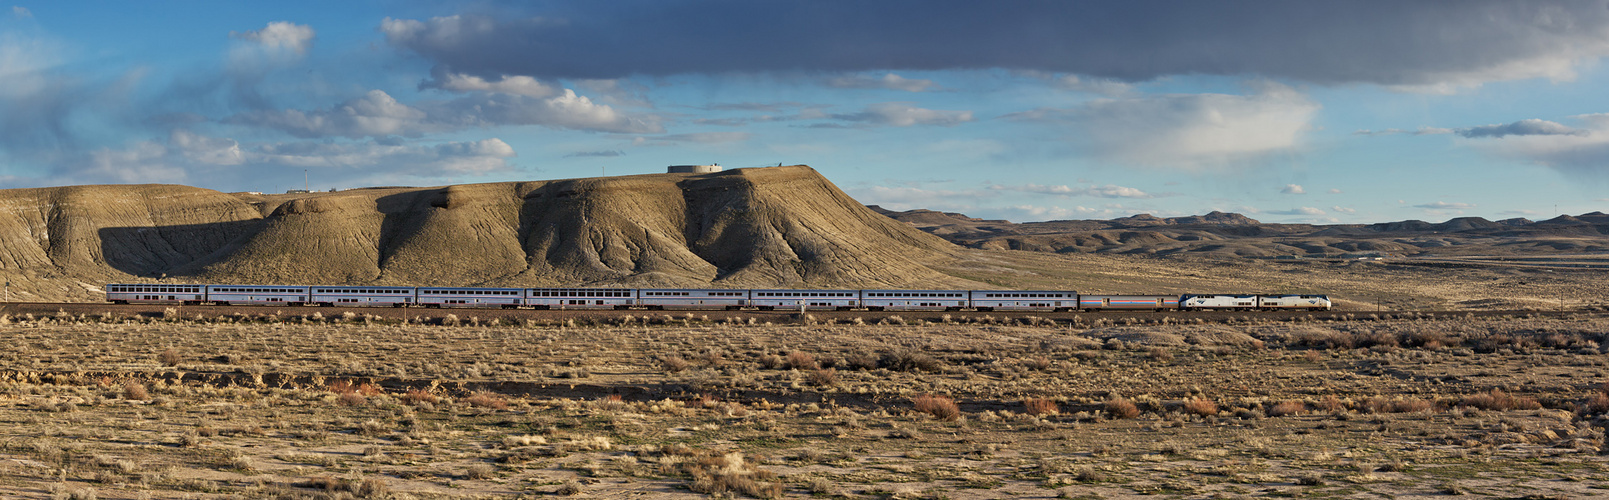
(698, 298)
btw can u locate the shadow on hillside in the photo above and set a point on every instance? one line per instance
(177, 250)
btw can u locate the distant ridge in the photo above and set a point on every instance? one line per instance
(1231, 234)
(778, 226)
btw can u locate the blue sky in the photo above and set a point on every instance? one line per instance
(1349, 112)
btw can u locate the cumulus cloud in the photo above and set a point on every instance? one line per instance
(895, 114)
(1323, 42)
(504, 84)
(1334, 191)
(888, 81)
(21, 12)
(279, 35)
(1442, 205)
(1579, 150)
(1186, 130)
(1344, 210)
(377, 114)
(1293, 189)
(1107, 191)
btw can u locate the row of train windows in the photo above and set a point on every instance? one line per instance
(582, 293)
(362, 291)
(803, 294)
(1023, 295)
(469, 292)
(908, 294)
(667, 294)
(156, 289)
(256, 290)
(726, 294)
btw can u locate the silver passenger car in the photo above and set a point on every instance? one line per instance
(829, 300)
(692, 298)
(506, 298)
(914, 300)
(273, 295)
(580, 298)
(1294, 301)
(376, 296)
(1024, 300)
(146, 293)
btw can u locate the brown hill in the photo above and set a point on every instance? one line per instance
(1221, 234)
(783, 226)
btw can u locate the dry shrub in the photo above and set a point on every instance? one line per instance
(1597, 403)
(1122, 408)
(860, 361)
(800, 360)
(1499, 400)
(1409, 405)
(1330, 403)
(906, 360)
(824, 377)
(1291, 407)
(570, 488)
(479, 471)
(1040, 363)
(941, 407)
(347, 387)
(351, 399)
(1312, 356)
(675, 364)
(485, 399)
(719, 474)
(1201, 406)
(135, 391)
(1040, 406)
(416, 396)
(169, 357)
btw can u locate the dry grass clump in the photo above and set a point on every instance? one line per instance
(485, 399)
(1040, 406)
(906, 360)
(1499, 400)
(416, 396)
(135, 391)
(1201, 406)
(675, 364)
(169, 357)
(361, 488)
(1597, 403)
(1402, 405)
(941, 407)
(720, 474)
(1122, 408)
(824, 377)
(1290, 407)
(800, 360)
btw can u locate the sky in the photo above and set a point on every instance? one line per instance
(1315, 112)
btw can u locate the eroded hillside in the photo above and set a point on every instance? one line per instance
(784, 226)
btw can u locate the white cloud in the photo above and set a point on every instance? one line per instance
(280, 35)
(1298, 211)
(206, 150)
(1293, 189)
(1107, 191)
(1188, 131)
(1344, 210)
(888, 81)
(694, 137)
(1102, 86)
(1583, 149)
(506, 84)
(1334, 191)
(904, 115)
(1442, 205)
(377, 114)
(21, 12)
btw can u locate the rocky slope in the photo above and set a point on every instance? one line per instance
(783, 226)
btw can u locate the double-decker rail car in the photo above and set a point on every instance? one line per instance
(830, 300)
(1128, 302)
(1244, 301)
(914, 300)
(1293, 301)
(506, 298)
(358, 296)
(692, 298)
(265, 295)
(580, 298)
(1024, 300)
(120, 293)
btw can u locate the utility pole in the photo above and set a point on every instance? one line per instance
(307, 186)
